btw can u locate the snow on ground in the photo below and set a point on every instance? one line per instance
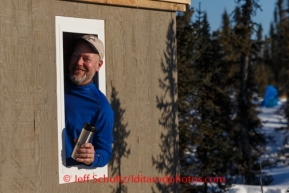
(272, 118)
(257, 189)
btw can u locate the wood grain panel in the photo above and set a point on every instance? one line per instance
(16, 101)
(45, 95)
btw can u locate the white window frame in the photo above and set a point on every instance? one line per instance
(74, 25)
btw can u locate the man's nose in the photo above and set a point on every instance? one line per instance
(80, 61)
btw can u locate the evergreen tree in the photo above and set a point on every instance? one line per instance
(250, 142)
(219, 125)
(185, 48)
(205, 119)
(263, 72)
(279, 43)
(279, 53)
(185, 37)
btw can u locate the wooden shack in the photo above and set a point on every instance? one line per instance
(140, 83)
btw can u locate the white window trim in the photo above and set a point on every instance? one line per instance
(74, 25)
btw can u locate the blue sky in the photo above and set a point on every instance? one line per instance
(215, 9)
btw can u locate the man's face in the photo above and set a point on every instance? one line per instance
(84, 63)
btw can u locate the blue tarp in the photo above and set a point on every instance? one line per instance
(271, 97)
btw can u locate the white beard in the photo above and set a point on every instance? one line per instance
(79, 80)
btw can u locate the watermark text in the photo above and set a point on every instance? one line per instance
(140, 179)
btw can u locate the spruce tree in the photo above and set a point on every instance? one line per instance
(207, 120)
(185, 48)
(219, 125)
(250, 142)
(263, 72)
(279, 54)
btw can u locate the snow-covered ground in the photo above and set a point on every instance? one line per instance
(272, 118)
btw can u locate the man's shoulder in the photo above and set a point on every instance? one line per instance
(101, 97)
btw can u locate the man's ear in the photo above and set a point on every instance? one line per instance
(99, 64)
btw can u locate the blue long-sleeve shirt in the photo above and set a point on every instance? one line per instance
(87, 104)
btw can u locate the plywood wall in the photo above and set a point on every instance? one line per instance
(141, 86)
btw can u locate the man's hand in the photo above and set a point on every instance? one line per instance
(85, 153)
